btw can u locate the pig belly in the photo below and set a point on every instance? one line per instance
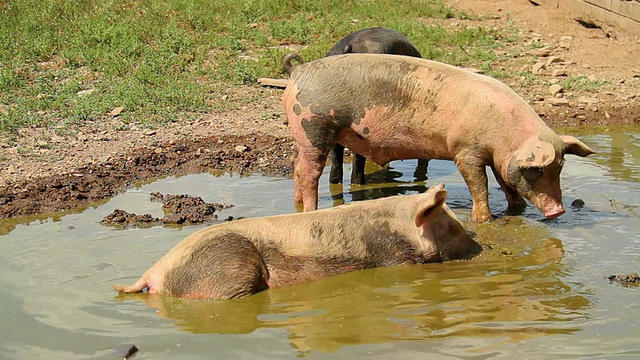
(383, 147)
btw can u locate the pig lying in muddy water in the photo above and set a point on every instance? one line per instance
(246, 256)
(370, 41)
(396, 107)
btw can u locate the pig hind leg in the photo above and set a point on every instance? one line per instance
(227, 266)
(308, 170)
(420, 174)
(336, 156)
(357, 172)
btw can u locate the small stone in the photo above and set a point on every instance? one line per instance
(172, 218)
(253, 25)
(538, 98)
(42, 143)
(587, 100)
(544, 51)
(535, 69)
(558, 101)
(553, 59)
(577, 203)
(241, 148)
(158, 151)
(566, 38)
(555, 88)
(115, 112)
(4, 109)
(592, 78)
(150, 132)
(82, 137)
(554, 81)
(559, 72)
(85, 92)
(125, 351)
(224, 97)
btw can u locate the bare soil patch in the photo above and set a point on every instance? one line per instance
(43, 170)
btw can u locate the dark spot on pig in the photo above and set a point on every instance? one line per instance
(531, 158)
(321, 132)
(544, 158)
(286, 270)
(337, 87)
(297, 109)
(316, 231)
(389, 248)
(434, 108)
(226, 266)
(365, 131)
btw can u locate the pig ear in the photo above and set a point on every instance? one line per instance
(431, 205)
(575, 147)
(535, 153)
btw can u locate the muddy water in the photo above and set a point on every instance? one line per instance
(538, 291)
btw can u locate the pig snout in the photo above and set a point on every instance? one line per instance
(550, 206)
(554, 211)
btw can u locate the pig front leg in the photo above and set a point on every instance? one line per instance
(514, 199)
(474, 173)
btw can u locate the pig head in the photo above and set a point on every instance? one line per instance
(534, 170)
(242, 257)
(396, 107)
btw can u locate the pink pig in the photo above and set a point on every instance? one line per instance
(388, 107)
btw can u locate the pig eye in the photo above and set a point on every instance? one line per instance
(532, 174)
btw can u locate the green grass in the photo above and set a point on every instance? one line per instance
(170, 60)
(582, 83)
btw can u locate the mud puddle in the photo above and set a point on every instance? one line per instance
(539, 290)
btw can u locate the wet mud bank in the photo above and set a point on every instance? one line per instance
(243, 155)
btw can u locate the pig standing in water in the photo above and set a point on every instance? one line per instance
(395, 107)
(371, 41)
(242, 257)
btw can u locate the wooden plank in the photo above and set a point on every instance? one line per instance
(279, 83)
(629, 9)
(596, 9)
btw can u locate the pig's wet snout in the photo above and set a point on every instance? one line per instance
(554, 212)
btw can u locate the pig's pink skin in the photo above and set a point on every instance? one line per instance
(242, 257)
(387, 107)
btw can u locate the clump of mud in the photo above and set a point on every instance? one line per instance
(178, 209)
(184, 208)
(632, 278)
(123, 218)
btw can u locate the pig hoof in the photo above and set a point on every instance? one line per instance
(482, 218)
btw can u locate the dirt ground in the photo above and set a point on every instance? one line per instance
(42, 171)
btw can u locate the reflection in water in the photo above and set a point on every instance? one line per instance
(513, 291)
(619, 152)
(381, 182)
